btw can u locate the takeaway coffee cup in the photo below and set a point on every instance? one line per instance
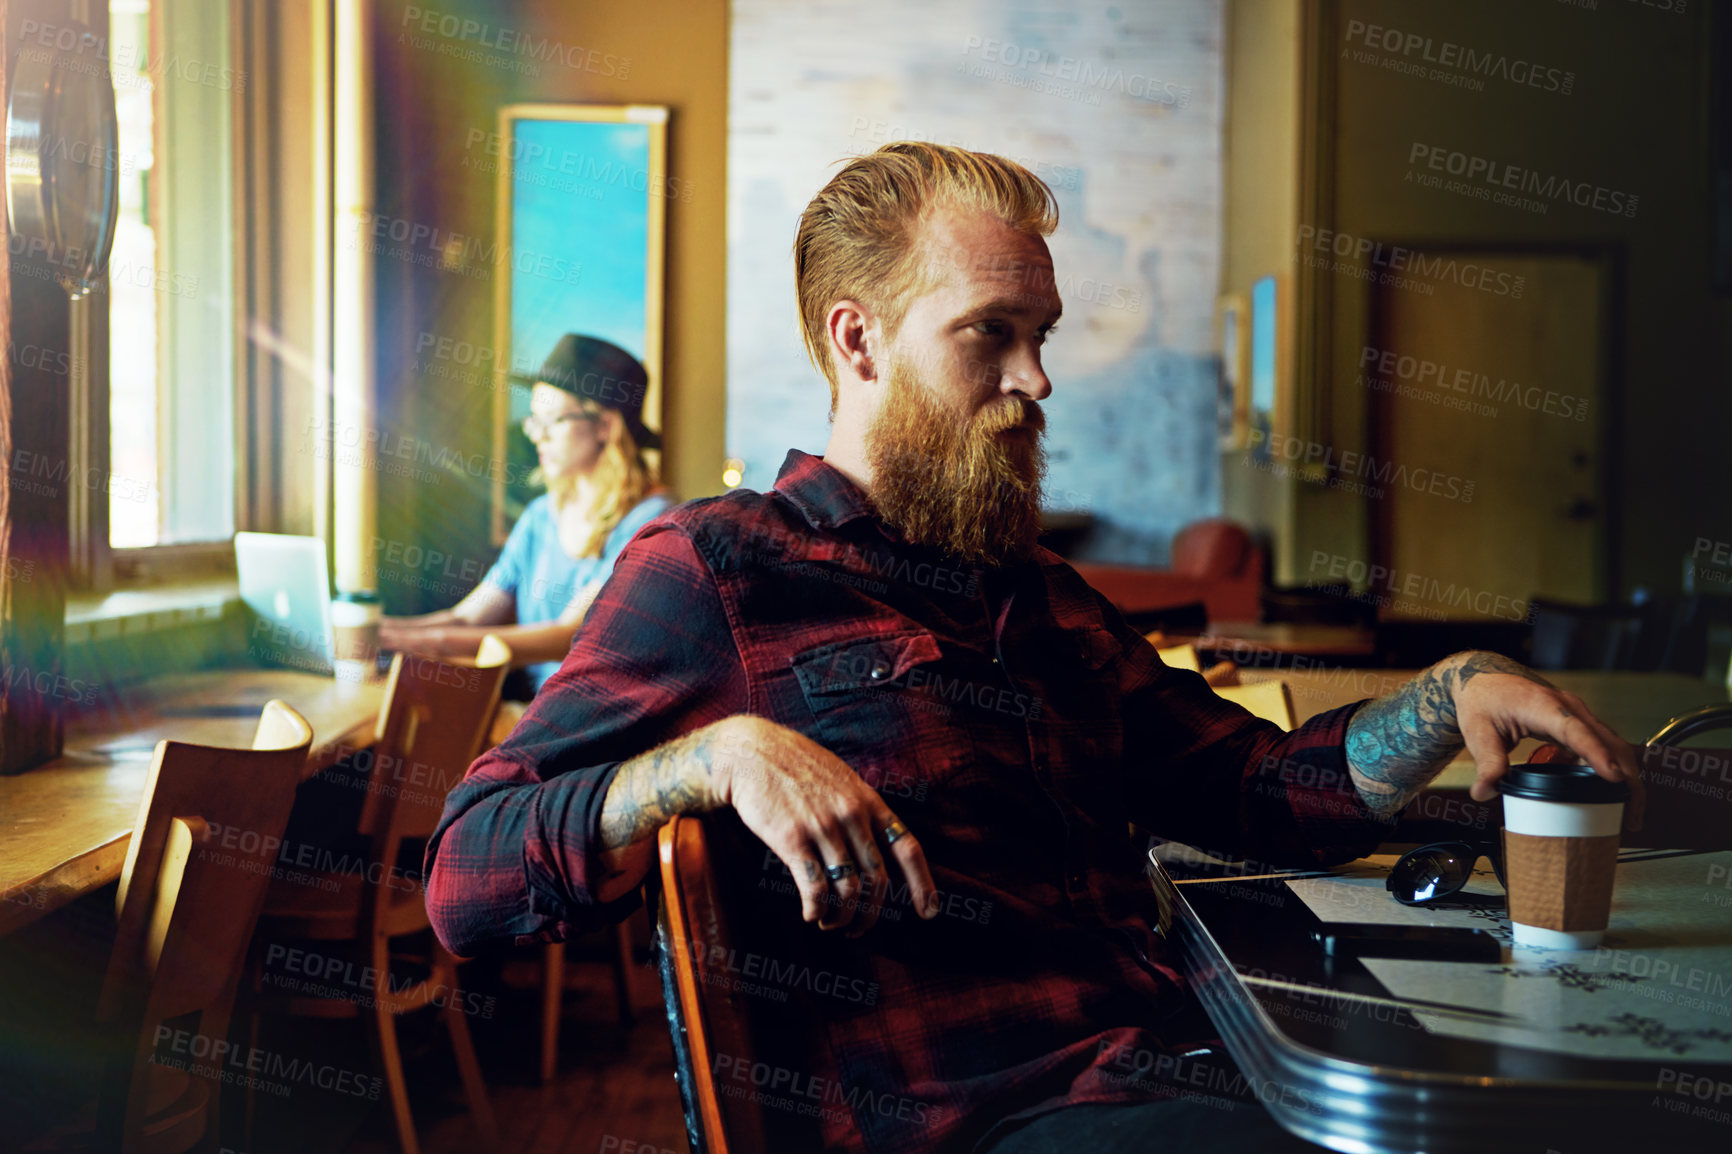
(355, 630)
(1560, 846)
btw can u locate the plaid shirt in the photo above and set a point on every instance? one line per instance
(1009, 717)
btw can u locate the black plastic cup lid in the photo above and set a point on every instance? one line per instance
(1575, 784)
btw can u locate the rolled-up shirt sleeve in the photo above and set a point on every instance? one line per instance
(516, 856)
(1203, 771)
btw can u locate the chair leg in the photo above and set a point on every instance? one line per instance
(255, 969)
(552, 1000)
(480, 1106)
(622, 972)
(383, 1028)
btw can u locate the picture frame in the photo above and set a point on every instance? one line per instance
(1265, 360)
(581, 222)
(1232, 345)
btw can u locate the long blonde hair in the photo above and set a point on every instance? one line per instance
(620, 480)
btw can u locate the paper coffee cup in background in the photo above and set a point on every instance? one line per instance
(1561, 828)
(355, 621)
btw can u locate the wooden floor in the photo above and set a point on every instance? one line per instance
(612, 1082)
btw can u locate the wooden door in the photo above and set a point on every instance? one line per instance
(1499, 395)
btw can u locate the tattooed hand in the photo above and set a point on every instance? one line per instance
(1396, 744)
(803, 801)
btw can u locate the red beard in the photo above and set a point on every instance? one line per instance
(971, 487)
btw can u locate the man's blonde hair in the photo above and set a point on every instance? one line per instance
(858, 237)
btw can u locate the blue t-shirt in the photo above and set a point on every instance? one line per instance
(535, 570)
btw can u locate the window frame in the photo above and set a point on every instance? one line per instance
(268, 495)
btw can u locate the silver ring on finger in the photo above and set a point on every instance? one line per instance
(837, 872)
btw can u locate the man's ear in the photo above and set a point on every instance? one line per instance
(854, 338)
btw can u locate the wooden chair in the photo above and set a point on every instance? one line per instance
(431, 726)
(1269, 700)
(1584, 636)
(505, 719)
(194, 879)
(1218, 565)
(553, 992)
(706, 909)
(553, 953)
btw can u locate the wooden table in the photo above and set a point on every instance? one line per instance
(1246, 641)
(1635, 705)
(64, 826)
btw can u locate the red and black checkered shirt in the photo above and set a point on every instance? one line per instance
(1010, 717)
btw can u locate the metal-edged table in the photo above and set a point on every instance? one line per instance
(1627, 1047)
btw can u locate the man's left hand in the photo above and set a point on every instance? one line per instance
(1397, 744)
(1498, 702)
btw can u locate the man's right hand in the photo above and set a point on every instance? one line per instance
(815, 813)
(801, 800)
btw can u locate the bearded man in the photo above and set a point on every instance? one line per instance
(935, 725)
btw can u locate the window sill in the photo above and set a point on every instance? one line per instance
(132, 612)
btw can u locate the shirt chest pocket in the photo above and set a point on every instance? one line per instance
(871, 706)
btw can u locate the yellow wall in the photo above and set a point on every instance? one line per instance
(1262, 149)
(1637, 128)
(1629, 122)
(679, 55)
(435, 95)
(1261, 218)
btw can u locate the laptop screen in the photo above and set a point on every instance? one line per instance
(286, 585)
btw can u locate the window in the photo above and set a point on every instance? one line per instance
(134, 515)
(211, 331)
(171, 360)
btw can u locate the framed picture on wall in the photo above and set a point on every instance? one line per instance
(1232, 344)
(582, 228)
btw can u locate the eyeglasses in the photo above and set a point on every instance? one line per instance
(534, 427)
(1437, 871)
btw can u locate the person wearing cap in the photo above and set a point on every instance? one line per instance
(586, 422)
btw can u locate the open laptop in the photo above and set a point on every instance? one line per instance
(285, 583)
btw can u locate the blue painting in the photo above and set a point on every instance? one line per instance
(580, 232)
(1264, 335)
(584, 189)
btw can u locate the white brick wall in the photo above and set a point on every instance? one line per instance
(1118, 107)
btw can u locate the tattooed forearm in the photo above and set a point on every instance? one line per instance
(675, 778)
(1396, 744)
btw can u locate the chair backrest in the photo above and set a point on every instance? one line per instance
(1686, 635)
(688, 898)
(1214, 547)
(1269, 700)
(709, 913)
(431, 726)
(197, 867)
(1584, 636)
(1180, 657)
